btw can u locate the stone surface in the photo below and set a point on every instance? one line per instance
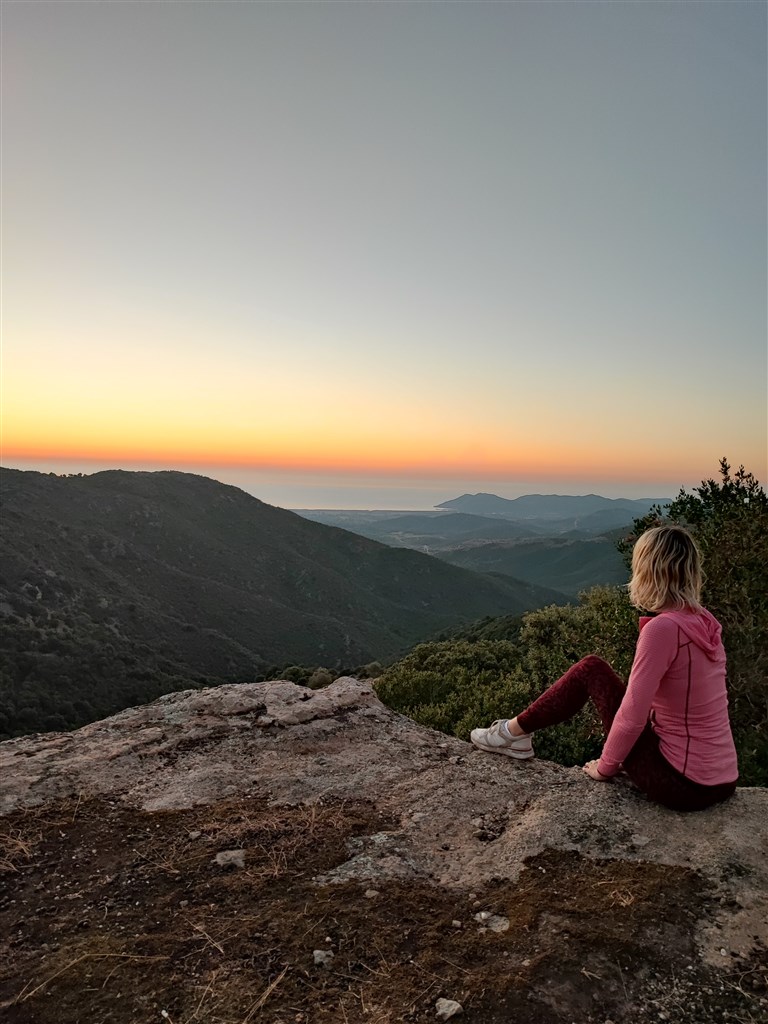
(322, 957)
(291, 745)
(447, 1008)
(230, 859)
(492, 922)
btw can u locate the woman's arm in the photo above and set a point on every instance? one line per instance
(656, 649)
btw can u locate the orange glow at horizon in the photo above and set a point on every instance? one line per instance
(417, 460)
(66, 405)
(357, 460)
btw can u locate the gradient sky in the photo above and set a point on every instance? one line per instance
(427, 247)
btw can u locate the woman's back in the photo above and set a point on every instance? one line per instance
(681, 654)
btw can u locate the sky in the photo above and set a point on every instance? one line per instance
(381, 254)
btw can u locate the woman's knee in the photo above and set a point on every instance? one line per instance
(599, 677)
(594, 663)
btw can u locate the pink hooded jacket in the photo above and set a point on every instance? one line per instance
(678, 682)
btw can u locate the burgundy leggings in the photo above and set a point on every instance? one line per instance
(594, 679)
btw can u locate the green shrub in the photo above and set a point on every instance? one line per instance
(320, 677)
(370, 671)
(442, 684)
(604, 623)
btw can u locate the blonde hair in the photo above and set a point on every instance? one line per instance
(666, 570)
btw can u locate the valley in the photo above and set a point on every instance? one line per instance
(566, 542)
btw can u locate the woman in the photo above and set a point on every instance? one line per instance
(668, 728)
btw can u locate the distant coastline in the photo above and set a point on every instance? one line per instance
(315, 491)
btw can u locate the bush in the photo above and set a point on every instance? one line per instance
(446, 684)
(320, 677)
(370, 671)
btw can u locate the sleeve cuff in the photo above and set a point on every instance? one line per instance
(607, 770)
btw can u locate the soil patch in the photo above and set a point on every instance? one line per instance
(115, 915)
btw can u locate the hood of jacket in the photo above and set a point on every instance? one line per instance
(700, 627)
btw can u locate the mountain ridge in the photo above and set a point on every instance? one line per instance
(151, 580)
(547, 505)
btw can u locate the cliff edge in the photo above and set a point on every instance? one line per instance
(267, 852)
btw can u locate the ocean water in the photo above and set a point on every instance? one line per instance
(316, 490)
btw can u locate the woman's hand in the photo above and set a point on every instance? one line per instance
(590, 769)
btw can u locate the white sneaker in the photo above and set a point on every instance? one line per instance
(494, 741)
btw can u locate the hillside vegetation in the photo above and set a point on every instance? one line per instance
(424, 529)
(495, 670)
(567, 564)
(566, 542)
(120, 586)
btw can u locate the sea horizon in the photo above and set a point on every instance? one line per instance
(316, 491)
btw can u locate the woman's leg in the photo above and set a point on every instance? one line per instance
(590, 679)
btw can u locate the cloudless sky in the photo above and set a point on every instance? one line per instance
(370, 249)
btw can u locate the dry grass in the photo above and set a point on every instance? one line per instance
(264, 997)
(15, 847)
(18, 843)
(27, 992)
(618, 896)
(120, 915)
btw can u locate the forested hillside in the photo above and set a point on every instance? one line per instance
(567, 564)
(119, 586)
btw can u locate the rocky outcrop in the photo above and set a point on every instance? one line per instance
(455, 820)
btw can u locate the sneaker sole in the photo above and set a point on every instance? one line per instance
(517, 755)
